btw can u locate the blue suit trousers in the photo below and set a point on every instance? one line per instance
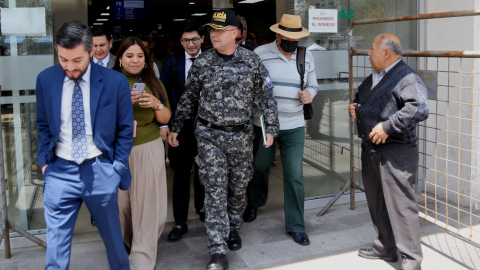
(67, 186)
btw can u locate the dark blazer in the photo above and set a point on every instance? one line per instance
(174, 89)
(111, 61)
(111, 115)
(251, 44)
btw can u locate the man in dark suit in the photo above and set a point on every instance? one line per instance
(244, 32)
(102, 43)
(85, 123)
(181, 158)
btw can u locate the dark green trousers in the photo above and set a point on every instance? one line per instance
(291, 144)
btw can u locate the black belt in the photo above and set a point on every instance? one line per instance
(236, 128)
(90, 159)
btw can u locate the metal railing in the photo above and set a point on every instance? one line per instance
(447, 181)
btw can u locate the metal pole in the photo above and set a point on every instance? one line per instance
(6, 241)
(27, 235)
(417, 17)
(350, 88)
(451, 54)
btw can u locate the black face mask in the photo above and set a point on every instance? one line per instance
(288, 46)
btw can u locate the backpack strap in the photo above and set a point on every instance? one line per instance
(301, 51)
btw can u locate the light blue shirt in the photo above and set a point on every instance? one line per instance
(105, 60)
(286, 84)
(63, 148)
(378, 76)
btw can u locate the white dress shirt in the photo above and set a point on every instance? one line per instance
(377, 77)
(189, 63)
(105, 60)
(63, 147)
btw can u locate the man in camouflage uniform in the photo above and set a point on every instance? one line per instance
(223, 82)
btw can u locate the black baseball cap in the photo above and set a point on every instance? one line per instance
(223, 18)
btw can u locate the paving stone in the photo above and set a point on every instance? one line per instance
(10, 266)
(173, 250)
(272, 253)
(198, 262)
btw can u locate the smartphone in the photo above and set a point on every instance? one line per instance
(138, 88)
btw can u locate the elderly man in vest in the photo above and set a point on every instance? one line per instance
(387, 107)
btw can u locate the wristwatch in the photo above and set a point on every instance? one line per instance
(160, 106)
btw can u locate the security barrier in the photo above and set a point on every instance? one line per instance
(447, 181)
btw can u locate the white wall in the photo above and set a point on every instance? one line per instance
(452, 34)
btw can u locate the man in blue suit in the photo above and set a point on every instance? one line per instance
(174, 75)
(85, 122)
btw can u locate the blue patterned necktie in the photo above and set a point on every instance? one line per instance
(79, 140)
(100, 63)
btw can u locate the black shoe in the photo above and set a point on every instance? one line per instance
(234, 241)
(201, 213)
(250, 214)
(218, 262)
(300, 238)
(178, 231)
(127, 248)
(92, 221)
(369, 253)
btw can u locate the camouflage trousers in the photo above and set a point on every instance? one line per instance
(225, 168)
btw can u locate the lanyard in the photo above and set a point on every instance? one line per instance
(140, 80)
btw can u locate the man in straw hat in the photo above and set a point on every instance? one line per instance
(280, 58)
(387, 107)
(228, 78)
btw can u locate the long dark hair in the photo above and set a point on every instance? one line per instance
(148, 74)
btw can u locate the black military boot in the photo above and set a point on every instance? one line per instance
(234, 241)
(218, 262)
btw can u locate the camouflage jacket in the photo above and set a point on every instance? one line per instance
(225, 92)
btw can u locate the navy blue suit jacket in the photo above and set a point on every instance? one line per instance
(174, 90)
(111, 115)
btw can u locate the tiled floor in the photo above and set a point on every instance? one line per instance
(318, 182)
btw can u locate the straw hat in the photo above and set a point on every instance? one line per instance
(290, 26)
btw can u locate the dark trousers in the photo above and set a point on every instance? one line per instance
(387, 177)
(291, 143)
(67, 186)
(181, 160)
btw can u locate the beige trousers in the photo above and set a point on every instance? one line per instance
(143, 207)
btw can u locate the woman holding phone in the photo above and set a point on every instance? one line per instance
(142, 220)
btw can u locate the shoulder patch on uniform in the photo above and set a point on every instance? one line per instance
(269, 81)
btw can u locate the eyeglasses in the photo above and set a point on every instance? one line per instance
(219, 31)
(186, 41)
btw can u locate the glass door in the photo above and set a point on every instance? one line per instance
(22, 58)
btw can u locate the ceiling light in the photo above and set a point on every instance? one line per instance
(191, 3)
(98, 24)
(102, 20)
(199, 14)
(250, 1)
(131, 30)
(178, 20)
(108, 7)
(105, 14)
